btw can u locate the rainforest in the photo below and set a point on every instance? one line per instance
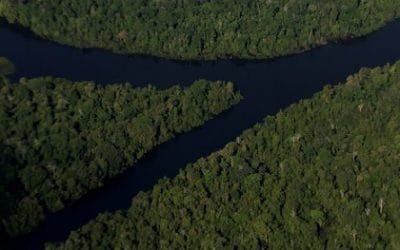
(61, 139)
(267, 124)
(193, 29)
(317, 175)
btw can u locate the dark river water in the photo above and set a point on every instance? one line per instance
(267, 86)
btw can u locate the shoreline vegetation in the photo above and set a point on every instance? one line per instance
(320, 174)
(6, 67)
(60, 139)
(200, 30)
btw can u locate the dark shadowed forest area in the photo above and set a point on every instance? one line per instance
(60, 139)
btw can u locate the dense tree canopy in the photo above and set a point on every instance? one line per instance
(322, 174)
(60, 139)
(193, 29)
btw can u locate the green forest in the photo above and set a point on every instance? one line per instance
(322, 174)
(60, 139)
(206, 29)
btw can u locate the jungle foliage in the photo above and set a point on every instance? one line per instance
(60, 139)
(322, 174)
(206, 29)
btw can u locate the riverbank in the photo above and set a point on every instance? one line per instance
(204, 30)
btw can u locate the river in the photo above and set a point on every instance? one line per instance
(267, 86)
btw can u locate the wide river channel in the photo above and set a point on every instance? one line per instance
(267, 86)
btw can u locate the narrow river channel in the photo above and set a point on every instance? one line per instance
(267, 86)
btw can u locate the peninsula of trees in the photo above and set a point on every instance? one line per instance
(6, 67)
(323, 174)
(207, 29)
(60, 139)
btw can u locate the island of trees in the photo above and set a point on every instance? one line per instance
(322, 174)
(207, 29)
(59, 139)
